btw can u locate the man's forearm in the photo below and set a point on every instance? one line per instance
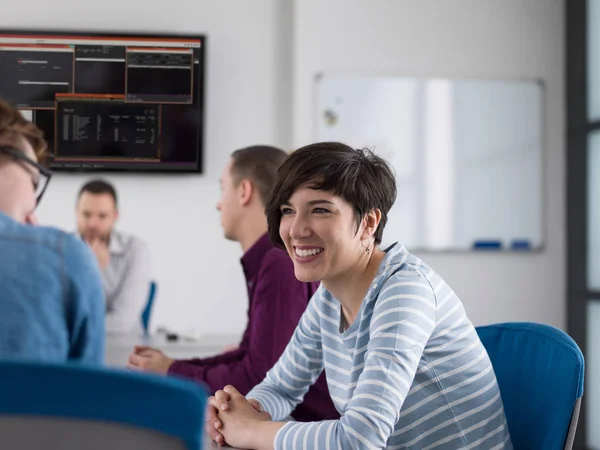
(243, 374)
(223, 358)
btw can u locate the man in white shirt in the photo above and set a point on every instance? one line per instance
(124, 260)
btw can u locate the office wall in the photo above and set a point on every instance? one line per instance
(198, 271)
(472, 38)
(261, 62)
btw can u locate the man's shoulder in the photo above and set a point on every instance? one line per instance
(277, 258)
(128, 242)
(46, 236)
(51, 247)
(277, 267)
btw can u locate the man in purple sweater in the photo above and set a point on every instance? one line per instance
(277, 298)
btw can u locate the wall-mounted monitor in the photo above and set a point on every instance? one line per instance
(110, 101)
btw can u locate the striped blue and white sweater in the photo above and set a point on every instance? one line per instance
(410, 372)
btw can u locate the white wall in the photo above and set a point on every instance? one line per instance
(474, 38)
(198, 271)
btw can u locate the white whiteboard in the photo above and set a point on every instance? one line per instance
(467, 155)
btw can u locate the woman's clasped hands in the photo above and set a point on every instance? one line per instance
(232, 419)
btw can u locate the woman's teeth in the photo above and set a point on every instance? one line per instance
(306, 253)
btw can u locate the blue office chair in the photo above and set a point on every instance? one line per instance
(147, 312)
(71, 406)
(540, 371)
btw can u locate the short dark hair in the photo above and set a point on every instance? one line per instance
(360, 177)
(259, 164)
(98, 187)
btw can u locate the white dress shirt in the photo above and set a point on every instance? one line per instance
(126, 281)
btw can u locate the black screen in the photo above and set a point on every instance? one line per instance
(100, 69)
(31, 77)
(159, 76)
(105, 102)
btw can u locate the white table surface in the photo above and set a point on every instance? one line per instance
(119, 347)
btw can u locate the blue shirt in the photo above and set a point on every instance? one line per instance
(410, 372)
(51, 299)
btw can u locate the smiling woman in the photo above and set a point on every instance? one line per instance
(323, 218)
(404, 365)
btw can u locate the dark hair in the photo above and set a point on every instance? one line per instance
(360, 177)
(98, 187)
(259, 164)
(14, 127)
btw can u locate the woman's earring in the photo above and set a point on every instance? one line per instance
(367, 248)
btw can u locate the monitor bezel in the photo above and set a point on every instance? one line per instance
(199, 167)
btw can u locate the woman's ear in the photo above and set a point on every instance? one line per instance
(371, 222)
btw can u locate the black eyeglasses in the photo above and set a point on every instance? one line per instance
(39, 178)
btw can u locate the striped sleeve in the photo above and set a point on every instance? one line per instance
(402, 321)
(296, 370)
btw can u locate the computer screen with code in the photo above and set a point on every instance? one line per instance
(109, 101)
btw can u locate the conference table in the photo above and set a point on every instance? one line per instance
(119, 347)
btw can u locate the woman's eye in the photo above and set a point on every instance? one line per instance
(286, 211)
(320, 210)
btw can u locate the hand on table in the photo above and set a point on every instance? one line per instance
(230, 416)
(230, 348)
(149, 359)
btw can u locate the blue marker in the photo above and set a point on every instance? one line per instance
(520, 244)
(487, 245)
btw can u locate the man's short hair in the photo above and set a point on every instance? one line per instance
(14, 128)
(259, 164)
(98, 187)
(360, 177)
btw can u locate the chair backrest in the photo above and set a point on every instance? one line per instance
(147, 312)
(70, 406)
(540, 371)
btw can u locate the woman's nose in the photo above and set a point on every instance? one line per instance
(300, 228)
